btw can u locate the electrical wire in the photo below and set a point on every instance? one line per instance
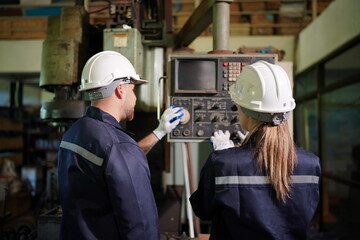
(101, 9)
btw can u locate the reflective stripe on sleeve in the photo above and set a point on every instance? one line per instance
(82, 152)
(262, 179)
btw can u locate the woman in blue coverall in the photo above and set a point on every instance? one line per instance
(267, 188)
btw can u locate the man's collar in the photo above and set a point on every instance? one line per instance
(100, 115)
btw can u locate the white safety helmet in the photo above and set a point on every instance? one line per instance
(106, 70)
(263, 90)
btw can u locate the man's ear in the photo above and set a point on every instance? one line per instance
(120, 91)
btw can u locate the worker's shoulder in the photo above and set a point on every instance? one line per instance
(234, 151)
(235, 154)
(307, 161)
(90, 129)
(306, 155)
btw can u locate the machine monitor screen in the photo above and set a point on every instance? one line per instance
(196, 76)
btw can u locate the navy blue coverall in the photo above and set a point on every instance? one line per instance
(104, 182)
(242, 204)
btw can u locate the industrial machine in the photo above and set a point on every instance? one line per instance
(200, 84)
(63, 56)
(135, 29)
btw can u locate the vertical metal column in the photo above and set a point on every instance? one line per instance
(221, 24)
(189, 211)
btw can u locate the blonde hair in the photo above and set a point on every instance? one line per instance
(275, 154)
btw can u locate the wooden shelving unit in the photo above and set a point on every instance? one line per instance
(259, 17)
(11, 135)
(247, 17)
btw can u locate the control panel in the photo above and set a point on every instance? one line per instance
(207, 111)
(203, 116)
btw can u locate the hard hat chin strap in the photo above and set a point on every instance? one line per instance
(273, 118)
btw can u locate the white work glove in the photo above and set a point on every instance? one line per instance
(168, 121)
(221, 140)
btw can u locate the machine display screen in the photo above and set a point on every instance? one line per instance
(196, 76)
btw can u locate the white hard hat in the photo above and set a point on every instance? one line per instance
(263, 87)
(105, 67)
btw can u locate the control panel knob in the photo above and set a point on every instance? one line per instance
(234, 120)
(200, 133)
(186, 132)
(186, 117)
(216, 117)
(199, 118)
(176, 132)
(215, 106)
(199, 106)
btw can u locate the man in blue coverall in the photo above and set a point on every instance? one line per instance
(104, 178)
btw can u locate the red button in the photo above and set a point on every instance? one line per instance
(225, 64)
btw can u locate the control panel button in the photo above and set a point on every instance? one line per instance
(200, 133)
(186, 132)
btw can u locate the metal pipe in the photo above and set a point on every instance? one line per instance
(187, 190)
(314, 9)
(221, 23)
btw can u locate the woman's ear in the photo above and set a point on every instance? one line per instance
(120, 92)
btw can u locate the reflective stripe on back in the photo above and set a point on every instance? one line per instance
(82, 152)
(262, 179)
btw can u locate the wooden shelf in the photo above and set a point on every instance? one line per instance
(37, 5)
(263, 17)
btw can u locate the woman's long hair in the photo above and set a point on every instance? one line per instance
(275, 153)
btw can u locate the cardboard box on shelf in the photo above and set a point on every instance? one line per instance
(273, 5)
(234, 7)
(262, 24)
(250, 6)
(183, 7)
(22, 28)
(235, 18)
(262, 18)
(297, 24)
(240, 29)
(262, 31)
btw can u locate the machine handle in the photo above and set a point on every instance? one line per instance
(158, 113)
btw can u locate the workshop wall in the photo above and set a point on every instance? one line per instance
(20, 56)
(335, 27)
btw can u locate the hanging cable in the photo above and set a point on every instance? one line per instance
(101, 9)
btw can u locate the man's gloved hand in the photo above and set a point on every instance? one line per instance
(221, 140)
(168, 121)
